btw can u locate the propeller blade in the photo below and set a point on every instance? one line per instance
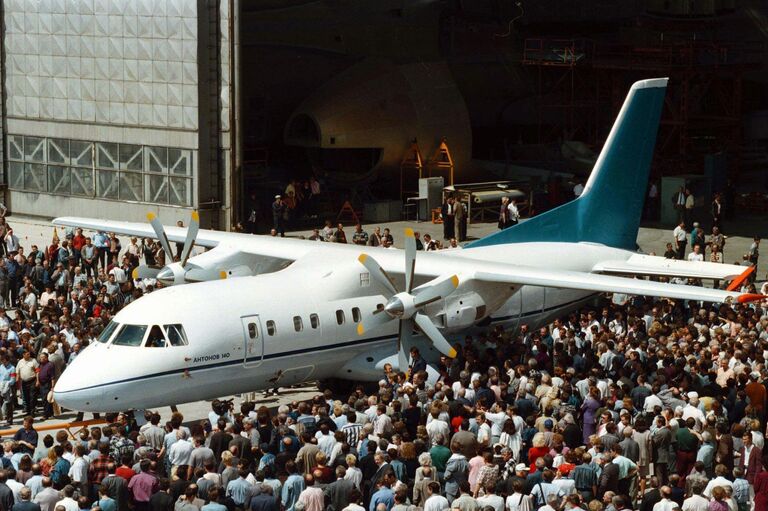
(377, 273)
(373, 321)
(161, 237)
(144, 271)
(410, 259)
(404, 337)
(189, 242)
(433, 292)
(430, 330)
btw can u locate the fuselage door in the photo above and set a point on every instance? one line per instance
(253, 339)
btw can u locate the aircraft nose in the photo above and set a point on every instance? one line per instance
(71, 390)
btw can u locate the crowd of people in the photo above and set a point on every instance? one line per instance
(652, 405)
(656, 405)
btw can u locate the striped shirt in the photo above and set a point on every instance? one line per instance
(741, 490)
(352, 432)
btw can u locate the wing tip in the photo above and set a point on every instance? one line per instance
(750, 297)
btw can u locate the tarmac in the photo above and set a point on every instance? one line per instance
(651, 238)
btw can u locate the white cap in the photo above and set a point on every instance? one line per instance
(693, 395)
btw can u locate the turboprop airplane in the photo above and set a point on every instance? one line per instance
(305, 311)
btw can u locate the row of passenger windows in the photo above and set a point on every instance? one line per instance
(314, 322)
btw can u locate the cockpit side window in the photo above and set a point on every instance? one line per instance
(155, 339)
(176, 335)
(130, 335)
(107, 332)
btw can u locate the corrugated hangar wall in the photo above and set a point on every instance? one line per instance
(117, 107)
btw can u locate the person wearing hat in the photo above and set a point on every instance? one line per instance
(279, 211)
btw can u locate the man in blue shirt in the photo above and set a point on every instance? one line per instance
(7, 386)
(240, 489)
(384, 495)
(292, 487)
(26, 437)
(100, 242)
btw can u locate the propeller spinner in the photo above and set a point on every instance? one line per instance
(406, 306)
(178, 272)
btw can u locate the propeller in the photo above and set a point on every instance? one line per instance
(175, 272)
(405, 306)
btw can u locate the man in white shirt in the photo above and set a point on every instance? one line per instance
(181, 451)
(68, 502)
(696, 255)
(692, 410)
(435, 501)
(720, 472)
(437, 427)
(666, 503)
(696, 502)
(78, 471)
(680, 238)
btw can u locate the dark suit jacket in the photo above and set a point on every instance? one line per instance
(263, 502)
(25, 506)
(755, 463)
(650, 499)
(724, 453)
(609, 479)
(337, 494)
(661, 440)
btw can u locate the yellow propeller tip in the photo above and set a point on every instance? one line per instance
(409, 232)
(452, 353)
(360, 329)
(222, 275)
(195, 216)
(455, 280)
(135, 274)
(151, 216)
(362, 257)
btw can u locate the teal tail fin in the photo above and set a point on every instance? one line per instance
(609, 209)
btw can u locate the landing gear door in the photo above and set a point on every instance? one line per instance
(253, 341)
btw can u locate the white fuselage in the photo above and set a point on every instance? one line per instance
(297, 325)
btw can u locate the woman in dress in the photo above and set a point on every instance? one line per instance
(589, 412)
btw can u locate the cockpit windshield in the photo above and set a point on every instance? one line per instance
(149, 336)
(107, 332)
(130, 335)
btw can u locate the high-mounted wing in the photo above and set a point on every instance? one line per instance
(283, 249)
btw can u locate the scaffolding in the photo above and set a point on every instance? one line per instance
(441, 163)
(576, 79)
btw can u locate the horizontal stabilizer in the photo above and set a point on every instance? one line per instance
(656, 266)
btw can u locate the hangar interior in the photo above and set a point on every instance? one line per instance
(114, 107)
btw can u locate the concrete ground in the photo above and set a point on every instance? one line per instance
(651, 238)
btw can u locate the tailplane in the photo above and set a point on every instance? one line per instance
(609, 209)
